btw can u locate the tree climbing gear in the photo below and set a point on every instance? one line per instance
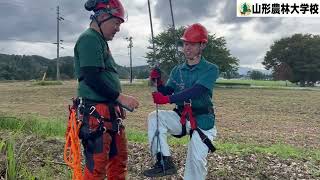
(187, 113)
(79, 128)
(72, 147)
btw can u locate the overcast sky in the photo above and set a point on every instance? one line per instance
(29, 27)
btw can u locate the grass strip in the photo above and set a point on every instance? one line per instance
(57, 127)
(46, 83)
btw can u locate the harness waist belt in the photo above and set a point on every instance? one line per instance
(195, 111)
(94, 102)
(87, 108)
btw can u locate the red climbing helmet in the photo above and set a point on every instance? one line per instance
(112, 7)
(195, 33)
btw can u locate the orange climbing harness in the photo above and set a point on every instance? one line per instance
(72, 148)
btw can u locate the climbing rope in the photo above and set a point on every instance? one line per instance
(72, 148)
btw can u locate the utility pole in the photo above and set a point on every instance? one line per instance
(130, 53)
(58, 41)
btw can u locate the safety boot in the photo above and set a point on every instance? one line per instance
(158, 170)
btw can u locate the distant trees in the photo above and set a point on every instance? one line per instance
(142, 74)
(230, 75)
(257, 75)
(295, 58)
(17, 67)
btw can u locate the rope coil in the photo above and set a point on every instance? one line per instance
(72, 148)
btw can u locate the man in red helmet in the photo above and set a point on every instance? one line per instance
(190, 87)
(100, 96)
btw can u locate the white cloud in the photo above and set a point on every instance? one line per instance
(43, 49)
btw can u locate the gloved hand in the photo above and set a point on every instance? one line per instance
(155, 76)
(159, 98)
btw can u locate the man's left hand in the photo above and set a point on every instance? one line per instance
(159, 98)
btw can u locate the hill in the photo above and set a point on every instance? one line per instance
(22, 67)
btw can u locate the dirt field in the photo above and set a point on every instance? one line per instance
(262, 116)
(245, 116)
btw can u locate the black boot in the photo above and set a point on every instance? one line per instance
(157, 170)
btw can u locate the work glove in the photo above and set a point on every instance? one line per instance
(159, 98)
(155, 76)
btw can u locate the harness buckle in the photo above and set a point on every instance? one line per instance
(187, 103)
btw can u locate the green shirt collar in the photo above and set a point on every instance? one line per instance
(200, 65)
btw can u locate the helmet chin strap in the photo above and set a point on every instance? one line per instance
(198, 55)
(100, 23)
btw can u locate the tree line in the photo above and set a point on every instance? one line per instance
(295, 58)
(23, 67)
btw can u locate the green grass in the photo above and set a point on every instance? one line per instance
(142, 137)
(43, 172)
(34, 125)
(11, 160)
(46, 83)
(260, 82)
(2, 145)
(280, 150)
(136, 136)
(232, 85)
(56, 128)
(26, 174)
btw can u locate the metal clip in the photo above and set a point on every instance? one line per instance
(119, 122)
(80, 110)
(92, 109)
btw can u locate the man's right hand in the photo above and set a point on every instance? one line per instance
(155, 76)
(128, 101)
